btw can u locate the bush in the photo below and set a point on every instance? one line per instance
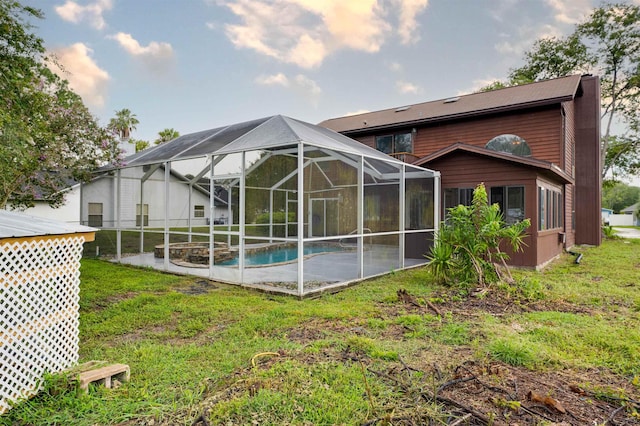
(278, 217)
(468, 245)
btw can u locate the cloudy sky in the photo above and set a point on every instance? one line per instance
(198, 64)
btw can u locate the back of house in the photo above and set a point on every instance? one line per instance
(536, 147)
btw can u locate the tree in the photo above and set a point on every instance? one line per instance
(166, 135)
(47, 135)
(140, 144)
(607, 43)
(123, 123)
(619, 196)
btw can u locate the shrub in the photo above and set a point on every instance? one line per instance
(468, 245)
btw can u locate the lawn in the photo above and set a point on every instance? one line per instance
(562, 345)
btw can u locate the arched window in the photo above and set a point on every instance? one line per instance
(511, 144)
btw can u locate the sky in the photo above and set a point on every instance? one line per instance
(193, 65)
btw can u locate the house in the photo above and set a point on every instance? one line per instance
(94, 204)
(633, 212)
(536, 148)
(144, 190)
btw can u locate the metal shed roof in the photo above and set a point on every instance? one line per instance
(19, 225)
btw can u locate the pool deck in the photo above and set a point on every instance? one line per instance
(332, 268)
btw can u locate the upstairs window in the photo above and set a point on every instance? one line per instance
(511, 144)
(393, 144)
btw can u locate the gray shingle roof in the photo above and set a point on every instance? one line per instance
(19, 225)
(525, 96)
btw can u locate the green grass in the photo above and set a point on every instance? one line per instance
(193, 353)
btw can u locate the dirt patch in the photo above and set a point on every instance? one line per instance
(198, 288)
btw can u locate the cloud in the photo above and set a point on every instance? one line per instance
(395, 67)
(409, 9)
(307, 85)
(74, 12)
(478, 84)
(516, 45)
(85, 77)
(569, 12)
(300, 83)
(405, 88)
(358, 112)
(134, 48)
(308, 31)
(157, 57)
(273, 80)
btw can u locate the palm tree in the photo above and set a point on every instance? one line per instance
(124, 123)
(166, 135)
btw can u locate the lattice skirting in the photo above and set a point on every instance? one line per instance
(39, 304)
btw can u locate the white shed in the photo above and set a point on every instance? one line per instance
(39, 300)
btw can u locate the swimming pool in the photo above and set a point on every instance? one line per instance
(279, 254)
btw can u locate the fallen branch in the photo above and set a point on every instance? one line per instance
(612, 415)
(461, 419)
(430, 398)
(201, 419)
(434, 308)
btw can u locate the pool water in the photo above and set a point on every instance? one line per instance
(278, 255)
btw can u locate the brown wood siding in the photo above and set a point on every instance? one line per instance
(465, 170)
(569, 139)
(541, 128)
(548, 246)
(369, 140)
(588, 167)
(568, 216)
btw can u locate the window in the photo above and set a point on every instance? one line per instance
(95, 214)
(456, 196)
(550, 208)
(511, 144)
(511, 202)
(140, 213)
(198, 211)
(391, 144)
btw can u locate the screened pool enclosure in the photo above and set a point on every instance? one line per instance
(274, 203)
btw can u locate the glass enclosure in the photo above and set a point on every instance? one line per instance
(276, 204)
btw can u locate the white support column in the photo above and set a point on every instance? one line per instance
(81, 213)
(271, 215)
(167, 198)
(360, 214)
(141, 216)
(190, 209)
(402, 236)
(241, 219)
(301, 219)
(211, 210)
(117, 214)
(436, 203)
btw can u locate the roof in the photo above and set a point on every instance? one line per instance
(17, 225)
(268, 133)
(503, 156)
(541, 93)
(631, 208)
